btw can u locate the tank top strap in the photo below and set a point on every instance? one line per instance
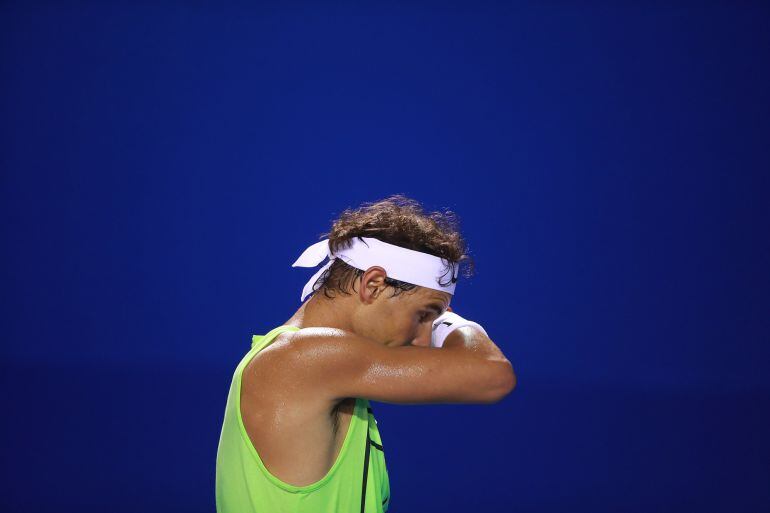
(260, 341)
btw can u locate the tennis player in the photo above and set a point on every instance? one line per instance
(299, 434)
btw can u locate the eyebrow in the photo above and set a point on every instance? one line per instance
(436, 307)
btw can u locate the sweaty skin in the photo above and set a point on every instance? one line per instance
(298, 435)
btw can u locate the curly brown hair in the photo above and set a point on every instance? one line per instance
(397, 220)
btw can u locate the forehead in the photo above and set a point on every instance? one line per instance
(426, 295)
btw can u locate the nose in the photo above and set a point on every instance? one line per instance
(423, 337)
(421, 342)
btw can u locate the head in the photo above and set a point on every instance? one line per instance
(384, 309)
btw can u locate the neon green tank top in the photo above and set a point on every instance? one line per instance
(357, 482)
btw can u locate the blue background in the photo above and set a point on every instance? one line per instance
(162, 167)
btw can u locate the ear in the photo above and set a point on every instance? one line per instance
(372, 284)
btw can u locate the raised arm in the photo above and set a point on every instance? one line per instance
(340, 364)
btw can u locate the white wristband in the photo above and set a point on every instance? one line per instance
(447, 323)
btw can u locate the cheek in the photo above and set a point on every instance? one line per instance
(407, 330)
(411, 325)
(403, 325)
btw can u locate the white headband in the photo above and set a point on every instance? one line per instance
(399, 263)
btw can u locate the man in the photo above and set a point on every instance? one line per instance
(299, 434)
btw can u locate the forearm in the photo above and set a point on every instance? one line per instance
(472, 339)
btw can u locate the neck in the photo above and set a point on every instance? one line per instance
(320, 311)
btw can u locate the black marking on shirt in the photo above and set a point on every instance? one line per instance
(335, 420)
(366, 473)
(369, 443)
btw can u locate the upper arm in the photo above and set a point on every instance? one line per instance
(340, 364)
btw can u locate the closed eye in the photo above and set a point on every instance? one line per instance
(435, 308)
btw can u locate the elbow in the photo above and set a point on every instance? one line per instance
(509, 381)
(506, 382)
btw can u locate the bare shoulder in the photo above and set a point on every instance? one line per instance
(271, 380)
(282, 370)
(320, 345)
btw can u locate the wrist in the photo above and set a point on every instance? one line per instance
(446, 325)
